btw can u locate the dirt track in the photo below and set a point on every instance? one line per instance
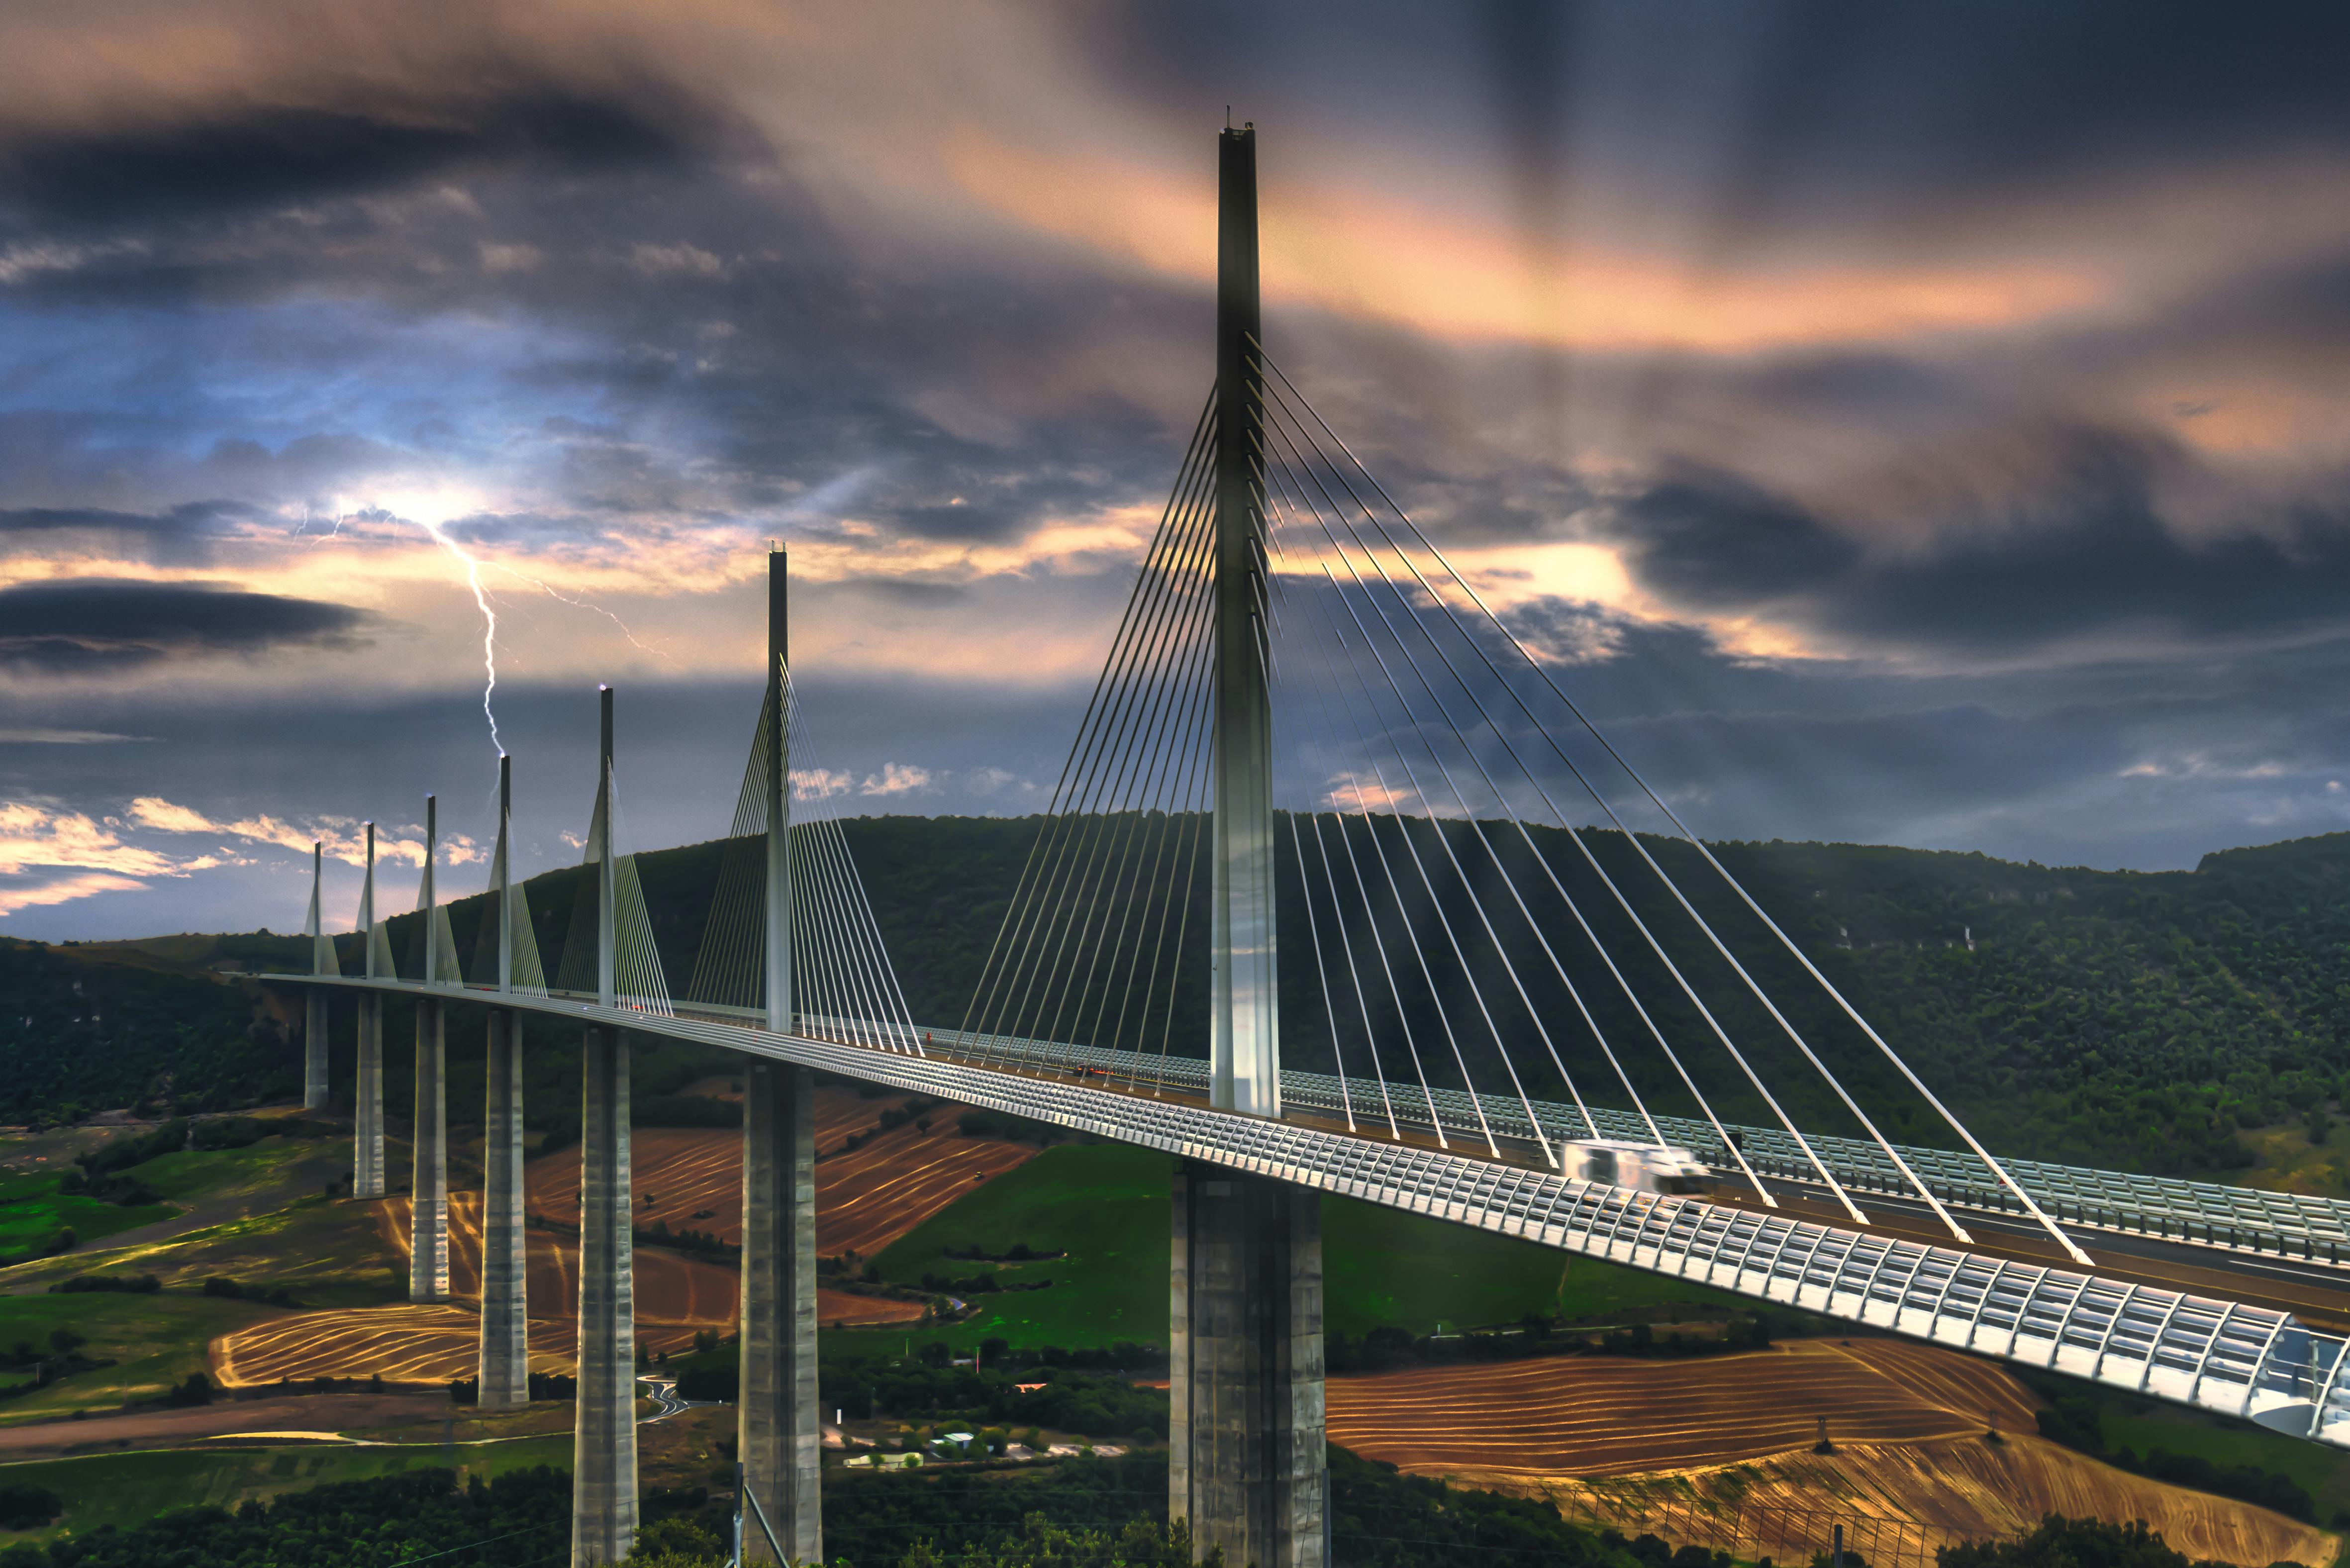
(1638, 1440)
(168, 1428)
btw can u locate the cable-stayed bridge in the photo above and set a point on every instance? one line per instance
(1321, 787)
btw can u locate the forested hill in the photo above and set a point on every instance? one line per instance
(2127, 1018)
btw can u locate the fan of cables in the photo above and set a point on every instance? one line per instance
(1462, 918)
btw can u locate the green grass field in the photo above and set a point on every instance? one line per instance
(1107, 1207)
(194, 1174)
(129, 1489)
(30, 1221)
(156, 1342)
(2324, 1473)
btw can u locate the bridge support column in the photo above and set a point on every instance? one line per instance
(505, 1369)
(780, 1433)
(604, 1440)
(1246, 1464)
(313, 1050)
(367, 1129)
(428, 1188)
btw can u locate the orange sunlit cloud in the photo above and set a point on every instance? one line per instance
(1455, 278)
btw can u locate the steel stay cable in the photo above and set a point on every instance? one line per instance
(1460, 956)
(849, 937)
(1170, 698)
(1041, 913)
(1800, 1044)
(831, 985)
(1314, 929)
(1370, 1038)
(1427, 975)
(820, 931)
(1178, 822)
(1347, 943)
(1509, 882)
(889, 969)
(1191, 708)
(1997, 1169)
(1133, 737)
(1690, 993)
(1476, 903)
(1370, 918)
(862, 936)
(1191, 456)
(1183, 923)
(1118, 723)
(1148, 590)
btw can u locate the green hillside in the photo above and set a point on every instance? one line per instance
(2141, 1020)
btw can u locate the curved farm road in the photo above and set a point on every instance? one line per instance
(324, 1414)
(1722, 1447)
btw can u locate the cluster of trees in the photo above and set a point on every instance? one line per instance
(525, 1517)
(929, 1389)
(1387, 1348)
(2062, 1542)
(83, 1030)
(2077, 1420)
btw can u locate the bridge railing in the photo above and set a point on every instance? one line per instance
(2196, 1213)
(2225, 1356)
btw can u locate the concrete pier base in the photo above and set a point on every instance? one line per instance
(366, 1130)
(604, 1443)
(1246, 1465)
(313, 1050)
(428, 1188)
(779, 1430)
(505, 1366)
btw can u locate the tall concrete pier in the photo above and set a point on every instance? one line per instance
(779, 1427)
(1245, 1462)
(604, 1442)
(780, 1435)
(504, 1365)
(428, 1188)
(1247, 1468)
(366, 1093)
(367, 1090)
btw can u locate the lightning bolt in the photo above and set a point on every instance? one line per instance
(489, 621)
(581, 604)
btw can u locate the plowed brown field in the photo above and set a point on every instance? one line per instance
(1722, 1447)
(675, 1297)
(1570, 1415)
(865, 1199)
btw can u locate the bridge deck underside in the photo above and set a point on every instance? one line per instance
(2206, 1352)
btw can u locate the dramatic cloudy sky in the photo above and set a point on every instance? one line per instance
(1923, 423)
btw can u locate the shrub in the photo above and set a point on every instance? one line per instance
(28, 1507)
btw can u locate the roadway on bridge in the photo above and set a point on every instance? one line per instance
(2318, 1292)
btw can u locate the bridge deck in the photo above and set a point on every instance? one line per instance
(2228, 1356)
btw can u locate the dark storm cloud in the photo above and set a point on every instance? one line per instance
(257, 158)
(188, 520)
(2084, 551)
(93, 625)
